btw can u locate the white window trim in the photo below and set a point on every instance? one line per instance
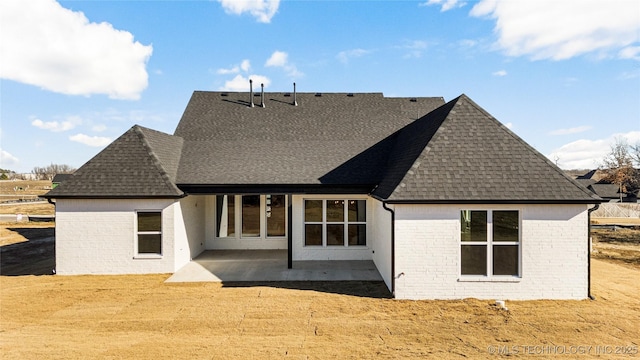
(489, 244)
(137, 255)
(345, 222)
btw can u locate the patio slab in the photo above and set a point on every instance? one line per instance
(270, 265)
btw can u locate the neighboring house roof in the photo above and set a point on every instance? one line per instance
(58, 178)
(141, 163)
(606, 191)
(460, 153)
(328, 143)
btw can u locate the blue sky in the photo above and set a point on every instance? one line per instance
(564, 75)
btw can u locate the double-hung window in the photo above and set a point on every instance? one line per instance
(149, 241)
(490, 242)
(337, 222)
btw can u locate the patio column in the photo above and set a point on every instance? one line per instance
(289, 232)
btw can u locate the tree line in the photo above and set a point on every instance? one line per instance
(39, 173)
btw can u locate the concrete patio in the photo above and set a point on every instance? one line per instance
(270, 265)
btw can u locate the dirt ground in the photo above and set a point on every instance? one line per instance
(24, 190)
(141, 317)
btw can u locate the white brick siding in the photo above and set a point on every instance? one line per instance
(553, 243)
(95, 236)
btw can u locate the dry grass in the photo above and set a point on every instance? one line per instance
(24, 189)
(617, 245)
(141, 317)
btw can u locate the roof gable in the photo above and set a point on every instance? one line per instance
(460, 153)
(138, 164)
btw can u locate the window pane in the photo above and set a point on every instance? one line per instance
(335, 210)
(313, 210)
(226, 217)
(276, 215)
(473, 225)
(150, 244)
(474, 260)
(250, 215)
(505, 226)
(505, 260)
(313, 234)
(357, 235)
(335, 235)
(150, 221)
(357, 210)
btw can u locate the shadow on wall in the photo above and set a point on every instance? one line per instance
(36, 256)
(369, 289)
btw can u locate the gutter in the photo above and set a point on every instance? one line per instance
(589, 211)
(393, 248)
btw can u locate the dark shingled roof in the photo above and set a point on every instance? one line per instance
(141, 163)
(329, 143)
(58, 178)
(228, 142)
(460, 153)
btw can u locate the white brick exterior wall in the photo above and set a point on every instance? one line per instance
(381, 240)
(553, 260)
(98, 236)
(189, 229)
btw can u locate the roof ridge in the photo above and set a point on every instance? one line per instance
(535, 152)
(139, 130)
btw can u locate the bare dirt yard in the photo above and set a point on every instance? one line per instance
(24, 191)
(141, 317)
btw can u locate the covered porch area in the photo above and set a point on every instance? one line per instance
(270, 265)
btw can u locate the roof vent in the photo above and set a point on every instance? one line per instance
(295, 102)
(251, 92)
(350, 94)
(318, 94)
(224, 94)
(262, 95)
(287, 94)
(413, 100)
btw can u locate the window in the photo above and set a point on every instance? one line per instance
(255, 216)
(149, 232)
(276, 213)
(490, 242)
(226, 217)
(335, 222)
(251, 216)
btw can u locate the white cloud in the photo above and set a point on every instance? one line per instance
(500, 73)
(245, 66)
(509, 125)
(588, 154)
(446, 4)
(58, 126)
(573, 130)
(281, 59)
(278, 58)
(262, 10)
(95, 141)
(630, 52)
(7, 159)
(46, 45)
(345, 56)
(241, 83)
(414, 48)
(562, 29)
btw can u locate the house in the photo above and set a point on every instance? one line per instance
(445, 200)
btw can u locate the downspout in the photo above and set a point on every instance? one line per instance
(589, 211)
(393, 248)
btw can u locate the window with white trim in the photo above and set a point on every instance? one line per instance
(149, 225)
(490, 242)
(335, 222)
